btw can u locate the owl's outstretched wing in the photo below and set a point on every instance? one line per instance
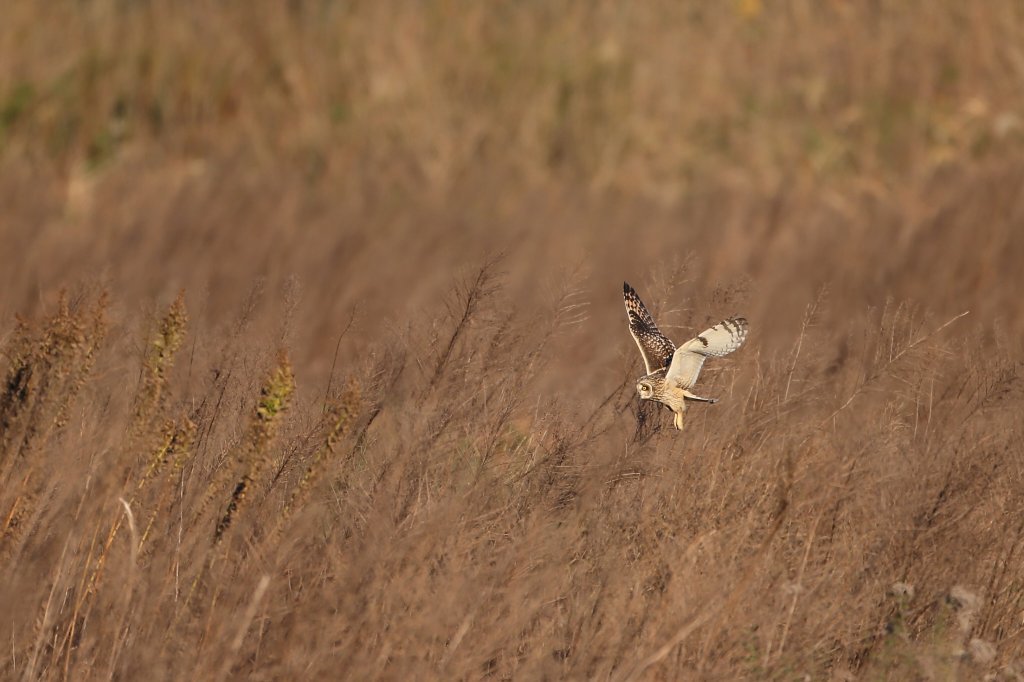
(722, 339)
(654, 346)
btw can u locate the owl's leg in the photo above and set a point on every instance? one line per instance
(678, 422)
(689, 396)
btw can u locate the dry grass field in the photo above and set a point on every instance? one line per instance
(315, 366)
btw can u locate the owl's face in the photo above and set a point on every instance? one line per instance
(646, 389)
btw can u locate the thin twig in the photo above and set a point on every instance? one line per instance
(337, 347)
(250, 614)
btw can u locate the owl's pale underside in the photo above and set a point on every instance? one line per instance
(671, 371)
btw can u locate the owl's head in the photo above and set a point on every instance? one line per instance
(645, 388)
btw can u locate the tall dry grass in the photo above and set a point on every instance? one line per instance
(292, 418)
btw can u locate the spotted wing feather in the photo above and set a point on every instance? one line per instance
(655, 347)
(720, 340)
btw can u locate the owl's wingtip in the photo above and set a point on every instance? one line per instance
(626, 288)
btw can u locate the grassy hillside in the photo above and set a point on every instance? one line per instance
(315, 363)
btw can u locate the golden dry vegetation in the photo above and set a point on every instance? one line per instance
(315, 365)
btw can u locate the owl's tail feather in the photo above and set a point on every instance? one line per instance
(689, 396)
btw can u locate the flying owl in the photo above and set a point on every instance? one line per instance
(672, 371)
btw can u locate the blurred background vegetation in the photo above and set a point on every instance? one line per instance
(642, 100)
(871, 146)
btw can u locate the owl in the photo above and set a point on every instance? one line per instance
(671, 371)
